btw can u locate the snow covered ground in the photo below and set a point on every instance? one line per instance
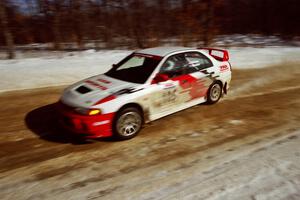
(66, 68)
(60, 69)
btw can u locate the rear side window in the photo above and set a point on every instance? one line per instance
(185, 63)
(197, 61)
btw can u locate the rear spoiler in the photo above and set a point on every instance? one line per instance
(218, 54)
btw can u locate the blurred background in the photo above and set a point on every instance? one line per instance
(245, 147)
(71, 25)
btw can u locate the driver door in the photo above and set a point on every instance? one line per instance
(170, 93)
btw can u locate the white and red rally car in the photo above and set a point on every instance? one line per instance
(146, 85)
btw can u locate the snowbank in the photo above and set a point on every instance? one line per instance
(64, 69)
(30, 73)
(250, 57)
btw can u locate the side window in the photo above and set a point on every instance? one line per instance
(174, 65)
(196, 61)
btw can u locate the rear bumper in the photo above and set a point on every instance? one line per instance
(95, 126)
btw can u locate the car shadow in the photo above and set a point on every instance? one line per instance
(43, 121)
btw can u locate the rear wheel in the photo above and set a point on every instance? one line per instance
(214, 93)
(128, 123)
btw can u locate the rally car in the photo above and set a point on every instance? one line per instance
(145, 86)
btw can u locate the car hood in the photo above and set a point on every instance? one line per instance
(88, 92)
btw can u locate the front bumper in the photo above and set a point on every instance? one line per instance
(95, 126)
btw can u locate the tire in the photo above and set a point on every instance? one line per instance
(127, 123)
(214, 93)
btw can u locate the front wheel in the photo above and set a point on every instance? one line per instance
(128, 123)
(214, 93)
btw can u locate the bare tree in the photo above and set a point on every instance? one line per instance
(107, 24)
(208, 28)
(185, 19)
(6, 31)
(126, 23)
(51, 11)
(56, 24)
(79, 21)
(97, 25)
(137, 24)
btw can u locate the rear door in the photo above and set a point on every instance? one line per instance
(197, 76)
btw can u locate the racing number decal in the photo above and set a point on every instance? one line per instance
(169, 96)
(165, 98)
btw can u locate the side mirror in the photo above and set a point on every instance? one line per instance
(160, 78)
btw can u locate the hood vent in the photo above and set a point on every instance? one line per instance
(83, 89)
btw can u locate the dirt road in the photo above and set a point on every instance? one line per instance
(245, 147)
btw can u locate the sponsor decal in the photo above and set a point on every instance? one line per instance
(103, 81)
(96, 85)
(169, 85)
(198, 89)
(101, 123)
(127, 91)
(106, 99)
(169, 96)
(224, 68)
(148, 56)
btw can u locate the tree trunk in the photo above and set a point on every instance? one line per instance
(208, 24)
(6, 32)
(56, 25)
(184, 32)
(98, 26)
(107, 25)
(127, 24)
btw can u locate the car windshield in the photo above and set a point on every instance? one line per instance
(134, 68)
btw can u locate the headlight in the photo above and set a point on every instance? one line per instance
(87, 111)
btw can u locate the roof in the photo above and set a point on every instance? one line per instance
(162, 51)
